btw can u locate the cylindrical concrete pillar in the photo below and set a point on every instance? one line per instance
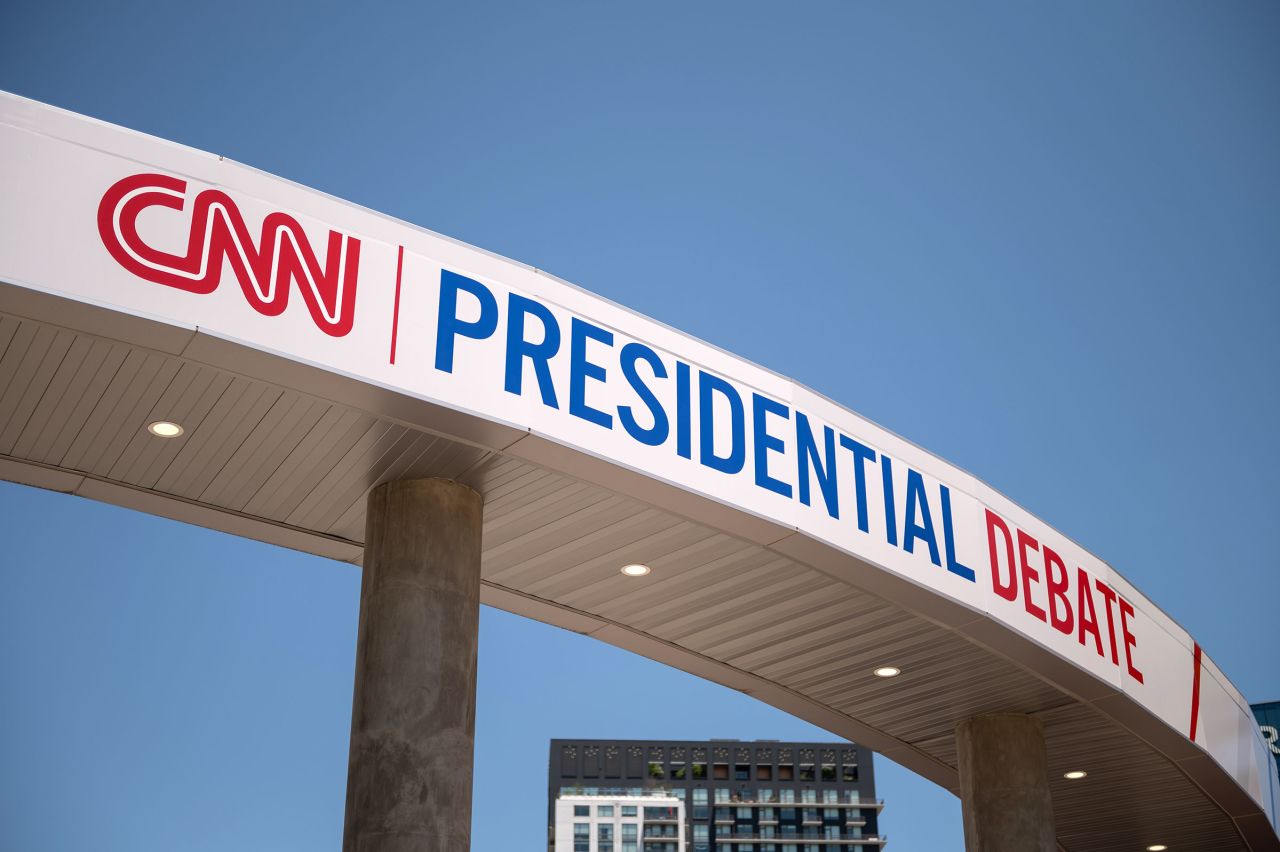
(413, 716)
(1004, 784)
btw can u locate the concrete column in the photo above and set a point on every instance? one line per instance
(413, 716)
(1004, 784)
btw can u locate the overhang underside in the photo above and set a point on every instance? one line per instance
(286, 463)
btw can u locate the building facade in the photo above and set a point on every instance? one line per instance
(1268, 716)
(619, 823)
(733, 796)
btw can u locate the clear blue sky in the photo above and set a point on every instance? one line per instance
(1039, 239)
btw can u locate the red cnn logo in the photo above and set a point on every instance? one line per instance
(265, 271)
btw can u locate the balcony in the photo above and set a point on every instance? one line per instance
(616, 792)
(877, 804)
(837, 842)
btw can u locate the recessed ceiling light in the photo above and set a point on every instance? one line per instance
(635, 570)
(887, 671)
(1075, 774)
(1157, 847)
(164, 429)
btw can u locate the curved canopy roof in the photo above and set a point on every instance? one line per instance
(311, 349)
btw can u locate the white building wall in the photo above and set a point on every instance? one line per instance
(565, 821)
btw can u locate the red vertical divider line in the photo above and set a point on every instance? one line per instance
(395, 315)
(1195, 694)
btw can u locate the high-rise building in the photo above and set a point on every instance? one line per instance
(711, 796)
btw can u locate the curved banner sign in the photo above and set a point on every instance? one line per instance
(114, 218)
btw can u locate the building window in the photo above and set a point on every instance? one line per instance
(699, 795)
(629, 847)
(787, 796)
(850, 774)
(786, 772)
(699, 834)
(581, 837)
(629, 831)
(722, 795)
(678, 771)
(629, 810)
(720, 771)
(806, 772)
(828, 772)
(744, 814)
(656, 771)
(742, 772)
(809, 795)
(764, 773)
(699, 770)
(831, 796)
(581, 810)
